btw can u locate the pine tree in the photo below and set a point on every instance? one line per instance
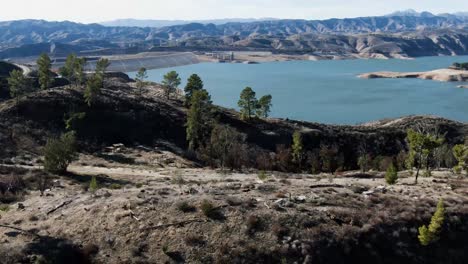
(421, 147)
(101, 68)
(141, 77)
(264, 106)
(19, 85)
(93, 185)
(59, 153)
(391, 176)
(247, 103)
(194, 83)
(44, 65)
(297, 148)
(460, 152)
(93, 88)
(73, 70)
(171, 81)
(199, 119)
(430, 234)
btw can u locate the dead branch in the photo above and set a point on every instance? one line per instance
(21, 230)
(60, 206)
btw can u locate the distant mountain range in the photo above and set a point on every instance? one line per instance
(130, 22)
(398, 33)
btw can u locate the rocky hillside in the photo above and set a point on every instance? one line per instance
(434, 35)
(120, 116)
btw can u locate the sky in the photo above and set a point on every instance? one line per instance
(88, 11)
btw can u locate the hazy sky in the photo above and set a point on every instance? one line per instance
(102, 10)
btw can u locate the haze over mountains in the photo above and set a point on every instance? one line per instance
(407, 33)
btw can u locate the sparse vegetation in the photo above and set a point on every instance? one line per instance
(262, 175)
(194, 83)
(247, 103)
(421, 148)
(185, 207)
(297, 149)
(73, 70)
(391, 177)
(264, 106)
(461, 154)
(171, 82)
(93, 185)
(430, 234)
(59, 153)
(199, 119)
(44, 71)
(209, 210)
(140, 79)
(460, 66)
(19, 85)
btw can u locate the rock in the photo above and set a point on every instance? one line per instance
(301, 198)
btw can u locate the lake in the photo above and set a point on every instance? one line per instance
(330, 92)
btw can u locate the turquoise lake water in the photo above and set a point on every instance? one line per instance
(330, 92)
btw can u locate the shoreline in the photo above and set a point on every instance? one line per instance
(442, 75)
(162, 60)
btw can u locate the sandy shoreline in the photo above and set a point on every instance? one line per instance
(443, 75)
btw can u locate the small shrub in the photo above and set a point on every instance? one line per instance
(253, 224)
(209, 210)
(262, 175)
(4, 207)
(194, 240)
(391, 176)
(430, 234)
(165, 248)
(458, 169)
(93, 185)
(59, 153)
(139, 185)
(177, 179)
(115, 186)
(185, 207)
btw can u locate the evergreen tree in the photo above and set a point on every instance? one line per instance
(19, 85)
(93, 88)
(101, 68)
(141, 77)
(421, 147)
(264, 106)
(460, 152)
(430, 234)
(391, 176)
(73, 70)
(297, 148)
(198, 119)
(247, 103)
(44, 65)
(171, 81)
(194, 83)
(59, 153)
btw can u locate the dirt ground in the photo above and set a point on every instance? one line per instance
(149, 209)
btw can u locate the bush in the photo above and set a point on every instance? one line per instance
(59, 153)
(262, 175)
(430, 234)
(458, 169)
(364, 162)
(93, 185)
(209, 210)
(391, 176)
(4, 208)
(185, 207)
